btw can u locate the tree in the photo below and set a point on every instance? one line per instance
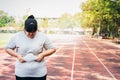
(5, 20)
(101, 14)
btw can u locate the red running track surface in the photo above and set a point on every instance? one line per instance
(77, 58)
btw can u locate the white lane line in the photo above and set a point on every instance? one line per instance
(57, 51)
(101, 62)
(73, 62)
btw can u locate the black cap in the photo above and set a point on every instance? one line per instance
(30, 24)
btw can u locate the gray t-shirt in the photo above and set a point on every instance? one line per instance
(26, 46)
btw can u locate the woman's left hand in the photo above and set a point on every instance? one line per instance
(40, 57)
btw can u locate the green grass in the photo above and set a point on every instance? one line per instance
(4, 38)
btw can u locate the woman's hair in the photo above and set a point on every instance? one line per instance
(31, 24)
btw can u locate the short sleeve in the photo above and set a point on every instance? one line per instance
(48, 44)
(11, 44)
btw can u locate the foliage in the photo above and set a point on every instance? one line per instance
(45, 23)
(103, 14)
(69, 21)
(5, 19)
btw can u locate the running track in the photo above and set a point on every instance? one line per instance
(77, 58)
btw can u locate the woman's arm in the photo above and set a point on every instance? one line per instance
(14, 54)
(45, 53)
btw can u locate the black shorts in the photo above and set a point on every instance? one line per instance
(31, 78)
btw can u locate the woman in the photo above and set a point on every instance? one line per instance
(27, 46)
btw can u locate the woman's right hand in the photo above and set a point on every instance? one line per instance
(20, 58)
(13, 53)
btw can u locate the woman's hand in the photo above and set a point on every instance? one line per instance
(40, 57)
(21, 59)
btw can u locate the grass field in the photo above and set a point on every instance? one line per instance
(4, 38)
